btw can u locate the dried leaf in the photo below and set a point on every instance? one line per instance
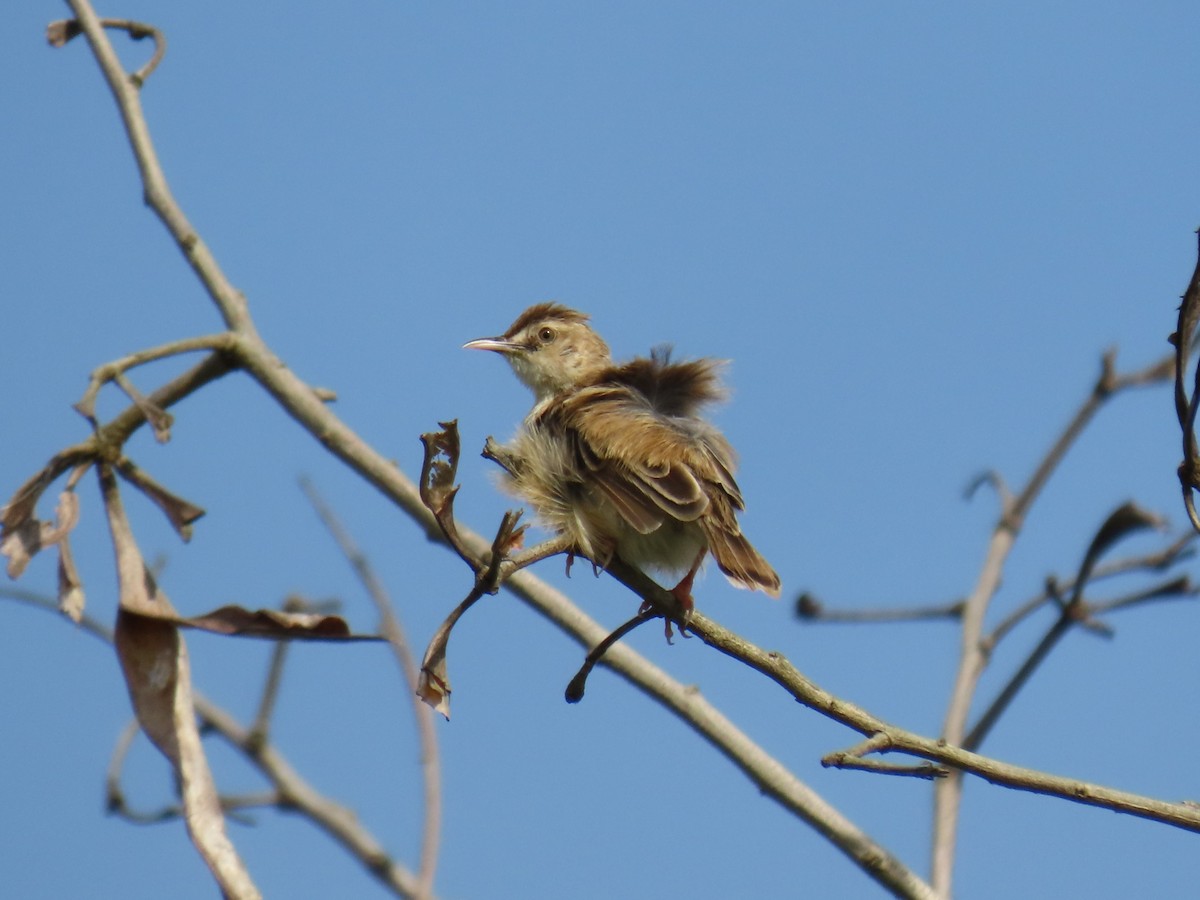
(154, 660)
(23, 503)
(23, 542)
(271, 623)
(433, 687)
(70, 588)
(20, 544)
(150, 652)
(61, 31)
(440, 467)
(20, 508)
(181, 513)
(1121, 522)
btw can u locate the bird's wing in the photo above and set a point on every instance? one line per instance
(652, 467)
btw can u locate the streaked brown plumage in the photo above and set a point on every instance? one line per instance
(618, 457)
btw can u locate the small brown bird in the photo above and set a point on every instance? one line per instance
(617, 457)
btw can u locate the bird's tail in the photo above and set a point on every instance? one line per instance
(741, 563)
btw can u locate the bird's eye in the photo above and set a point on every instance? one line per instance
(546, 335)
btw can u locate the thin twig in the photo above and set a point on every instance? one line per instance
(422, 714)
(260, 728)
(1175, 589)
(1176, 551)
(578, 684)
(810, 609)
(64, 30)
(295, 794)
(973, 655)
(118, 367)
(927, 771)
(776, 667)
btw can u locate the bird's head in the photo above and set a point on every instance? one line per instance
(551, 348)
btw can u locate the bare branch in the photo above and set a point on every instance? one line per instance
(1123, 521)
(973, 654)
(810, 609)
(110, 371)
(776, 667)
(60, 32)
(294, 794)
(1174, 552)
(431, 765)
(578, 684)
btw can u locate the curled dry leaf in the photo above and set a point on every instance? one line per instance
(151, 653)
(155, 663)
(1121, 522)
(440, 467)
(70, 588)
(61, 31)
(22, 541)
(433, 687)
(154, 660)
(270, 623)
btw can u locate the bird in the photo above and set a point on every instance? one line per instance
(617, 457)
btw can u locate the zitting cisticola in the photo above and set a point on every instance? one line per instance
(617, 457)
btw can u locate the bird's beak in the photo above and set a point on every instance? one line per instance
(499, 345)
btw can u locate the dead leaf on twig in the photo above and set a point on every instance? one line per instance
(22, 541)
(154, 661)
(1121, 522)
(271, 623)
(440, 467)
(433, 687)
(59, 32)
(70, 587)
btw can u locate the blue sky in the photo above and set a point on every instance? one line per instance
(913, 231)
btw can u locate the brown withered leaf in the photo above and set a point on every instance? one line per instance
(22, 542)
(70, 587)
(61, 31)
(180, 513)
(1121, 522)
(154, 660)
(271, 623)
(433, 686)
(24, 502)
(440, 467)
(151, 652)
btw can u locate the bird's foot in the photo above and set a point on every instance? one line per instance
(682, 593)
(596, 569)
